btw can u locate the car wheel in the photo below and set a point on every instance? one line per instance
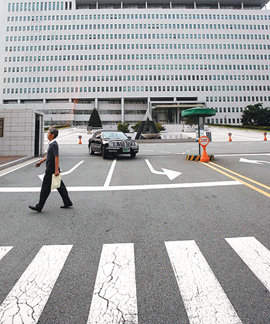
(133, 155)
(91, 152)
(104, 153)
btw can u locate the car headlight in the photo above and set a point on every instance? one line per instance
(111, 144)
(134, 144)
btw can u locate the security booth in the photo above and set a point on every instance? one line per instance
(21, 132)
(200, 113)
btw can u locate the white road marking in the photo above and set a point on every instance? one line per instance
(165, 152)
(27, 299)
(253, 161)
(147, 150)
(17, 167)
(129, 187)
(4, 250)
(169, 173)
(244, 154)
(255, 255)
(41, 176)
(109, 176)
(114, 299)
(203, 297)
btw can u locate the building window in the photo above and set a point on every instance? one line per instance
(1, 127)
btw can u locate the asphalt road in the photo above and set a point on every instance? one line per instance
(138, 247)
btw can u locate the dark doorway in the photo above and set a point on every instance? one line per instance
(37, 135)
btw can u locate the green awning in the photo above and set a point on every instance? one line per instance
(199, 112)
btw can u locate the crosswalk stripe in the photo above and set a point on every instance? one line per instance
(255, 255)
(203, 297)
(114, 299)
(25, 302)
(4, 250)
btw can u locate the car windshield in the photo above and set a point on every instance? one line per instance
(114, 136)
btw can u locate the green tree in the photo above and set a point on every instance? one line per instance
(256, 115)
(94, 120)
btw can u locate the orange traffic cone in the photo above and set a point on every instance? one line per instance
(230, 137)
(80, 139)
(204, 157)
(265, 139)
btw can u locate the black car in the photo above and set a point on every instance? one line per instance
(112, 142)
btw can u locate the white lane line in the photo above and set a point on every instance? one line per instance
(114, 299)
(18, 167)
(147, 150)
(255, 255)
(131, 187)
(244, 154)
(4, 250)
(27, 299)
(204, 299)
(109, 176)
(165, 152)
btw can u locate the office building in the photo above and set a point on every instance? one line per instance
(64, 58)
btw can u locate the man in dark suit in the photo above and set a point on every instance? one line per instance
(52, 167)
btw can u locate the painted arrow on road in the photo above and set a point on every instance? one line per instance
(252, 161)
(41, 176)
(169, 173)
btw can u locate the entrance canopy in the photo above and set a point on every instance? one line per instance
(198, 112)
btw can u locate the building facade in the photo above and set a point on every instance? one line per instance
(65, 58)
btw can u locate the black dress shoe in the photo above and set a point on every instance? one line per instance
(66, 206)
(35, 208)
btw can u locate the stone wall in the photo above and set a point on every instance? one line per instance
(19, 132)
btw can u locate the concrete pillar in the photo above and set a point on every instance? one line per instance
(178, 119)
(145, 4)
(170, 5)
(149, 106)
(242, 5)
(96, 103)
(195, 5)
(96, 5)
(69, 100)
(19, 101)
(218, 4)
(121, 4)
(122, 110)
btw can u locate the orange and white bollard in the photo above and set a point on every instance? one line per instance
(204, 141)
(230, 137)
(265, 139)
(80, 139)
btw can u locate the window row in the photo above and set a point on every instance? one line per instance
(141, 36)
(136, 16)
(136, 26)
(134, 89)
(143, 67)
(223, 121)
(206, 88)
(39, 6)
(115, 57)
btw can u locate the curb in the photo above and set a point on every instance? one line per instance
(165, 141)
(197, 157)
(15, 162)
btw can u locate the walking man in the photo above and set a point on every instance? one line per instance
(52, 167)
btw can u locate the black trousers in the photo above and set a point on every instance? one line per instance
(46, 190)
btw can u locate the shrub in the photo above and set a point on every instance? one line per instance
(136, 126)
(160, 127)
(123, 127)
